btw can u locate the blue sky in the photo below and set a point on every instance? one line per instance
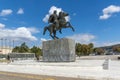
(96, 21)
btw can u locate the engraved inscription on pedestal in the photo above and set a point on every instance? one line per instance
(60, 50)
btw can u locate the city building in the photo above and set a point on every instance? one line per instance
(5, 50)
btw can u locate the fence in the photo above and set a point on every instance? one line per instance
(2, 56)
(21, 56)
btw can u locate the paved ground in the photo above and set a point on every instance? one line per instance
(21, 76)
(87, 69)
(100, 57)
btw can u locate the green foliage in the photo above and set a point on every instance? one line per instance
(99, 51)
(16, 49)
(116, 48)
(37, 51)
(23, 48)
(91, 45)
(83, 49)
(78, 49)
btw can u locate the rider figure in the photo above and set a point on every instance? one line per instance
(57, 22)
(54, 19)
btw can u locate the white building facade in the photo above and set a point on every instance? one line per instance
(5, 50)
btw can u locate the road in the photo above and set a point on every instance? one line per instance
(22, 76)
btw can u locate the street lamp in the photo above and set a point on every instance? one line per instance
(13, 44)
(5, 46)
(9, 46)
(1, 44)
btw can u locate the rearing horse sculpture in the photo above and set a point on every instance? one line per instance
(62, 24)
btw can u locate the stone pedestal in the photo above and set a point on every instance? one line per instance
(60, 50)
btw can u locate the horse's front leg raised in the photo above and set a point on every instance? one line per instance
(60, 31)
(72, 29)
(45, 29)
(70, 26)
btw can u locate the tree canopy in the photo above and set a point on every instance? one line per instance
(23, 48)
(84, 49)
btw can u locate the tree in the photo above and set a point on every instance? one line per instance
(83, 49)
(78, 49)
(24, 48)
(99, 51)
(37, 52)
(16, 49)
(91, 45)
(116, 48)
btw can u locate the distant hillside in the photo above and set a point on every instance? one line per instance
(109, 47)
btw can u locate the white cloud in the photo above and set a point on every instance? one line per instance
(55, 8)
(2, 25)
(111, 9)
(33, 30)
(89, 38)
(45, 19)
(107, 12)
(105, 16)
(83, 38)
(21, 33)
(67, 18)
(20, 11)
(43, 39)
(6, 12)
(110, 43)
(105, 43)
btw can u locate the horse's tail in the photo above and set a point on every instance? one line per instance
(45, 29)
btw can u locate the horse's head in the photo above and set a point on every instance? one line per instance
(65, 14)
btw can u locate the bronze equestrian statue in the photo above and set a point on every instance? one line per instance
(57, 23)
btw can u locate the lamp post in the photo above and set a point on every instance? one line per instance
(5, 46)
(1, 45)
(13, 44)
(9, 46)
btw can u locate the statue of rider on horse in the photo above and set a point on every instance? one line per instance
(57, 22)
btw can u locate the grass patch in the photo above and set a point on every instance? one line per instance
(4, 61)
